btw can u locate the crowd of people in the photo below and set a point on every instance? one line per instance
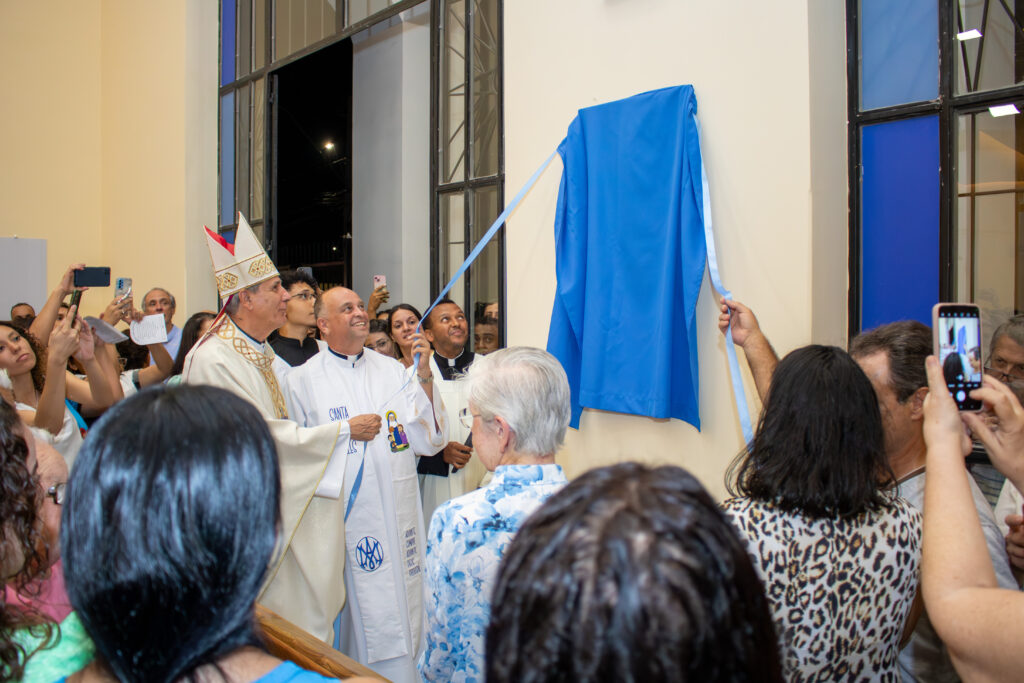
(389, 485)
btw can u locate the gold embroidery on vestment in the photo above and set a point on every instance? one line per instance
(260, 360)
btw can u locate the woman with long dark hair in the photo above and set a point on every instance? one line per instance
(194, 329)
(41, 382)
(168, 534)
(837, 551)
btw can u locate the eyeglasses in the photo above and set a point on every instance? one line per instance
(56, 493)
(1015, 374)
(304, 296)
(466, 418)
(379, 345)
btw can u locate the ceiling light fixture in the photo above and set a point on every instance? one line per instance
(1004, 110)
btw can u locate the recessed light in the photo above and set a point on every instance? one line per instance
(328, 145)
(1004, 110)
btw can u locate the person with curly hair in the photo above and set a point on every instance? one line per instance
(39, 639)
(41, 381)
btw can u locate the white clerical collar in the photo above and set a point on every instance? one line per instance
(350, 359)
(452, 362)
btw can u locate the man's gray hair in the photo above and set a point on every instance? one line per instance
(235, 301)
(529, 389)
(1012, 328)
(159, 289)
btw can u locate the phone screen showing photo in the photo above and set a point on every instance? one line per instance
(959, 336)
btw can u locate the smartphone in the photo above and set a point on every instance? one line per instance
(123, 288)
(95, 276)
(76, 298)
(956, 335)
(379, 281)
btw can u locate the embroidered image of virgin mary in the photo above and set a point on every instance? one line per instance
(396, 433)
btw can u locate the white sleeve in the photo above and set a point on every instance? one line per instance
(1009, 503)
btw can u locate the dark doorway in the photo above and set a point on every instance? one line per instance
(311, 164)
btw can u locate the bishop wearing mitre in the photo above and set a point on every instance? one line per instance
(305, 583)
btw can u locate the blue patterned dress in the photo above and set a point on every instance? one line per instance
(467, 539)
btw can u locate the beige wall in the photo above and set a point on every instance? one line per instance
(110, 139)
(777, 199)
(50, 129)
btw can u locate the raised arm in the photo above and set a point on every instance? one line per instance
(152, 374)
(980, 623)
(377, 297)
(96, 392)
(746, 333)
(42, 326)
(49, 413)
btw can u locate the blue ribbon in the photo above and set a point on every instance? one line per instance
(491, 232)
(730, 348)
(498, 222)
(357, 483)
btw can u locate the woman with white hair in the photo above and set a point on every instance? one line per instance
(518, 412)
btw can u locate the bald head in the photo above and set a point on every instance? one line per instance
(341, 317)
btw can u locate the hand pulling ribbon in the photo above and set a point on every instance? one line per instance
(739, 393)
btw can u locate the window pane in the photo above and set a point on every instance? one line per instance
(258, 150)
(989, 236)
(484, 89)
(452, 212)
(899, 221)
(227, 159)
(899, 52)
(242, 151)
(486, 272)
(244, 58)
(282, 28)
(297, 26)
(357, 10)
(314, 21)
(452, 116)
(227, 41)
(994, 59)
(259, 34)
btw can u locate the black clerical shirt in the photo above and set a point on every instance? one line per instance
(450, 368)
(293, 351)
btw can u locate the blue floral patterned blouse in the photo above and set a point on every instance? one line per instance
(467, 539)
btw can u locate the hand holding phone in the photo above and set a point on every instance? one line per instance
(123, 288)
(92, 276)
(956, 338)
(73, 305)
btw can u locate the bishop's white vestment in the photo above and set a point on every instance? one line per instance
(304, 584)
(382, 624)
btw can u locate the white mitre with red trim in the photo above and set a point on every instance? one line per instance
(242, 264)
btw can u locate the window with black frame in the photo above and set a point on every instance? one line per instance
(468, 164)
(936, 90)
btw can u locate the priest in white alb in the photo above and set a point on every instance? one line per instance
(387, 415)
(305, 584)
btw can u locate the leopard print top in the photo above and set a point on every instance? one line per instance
(840, 590)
